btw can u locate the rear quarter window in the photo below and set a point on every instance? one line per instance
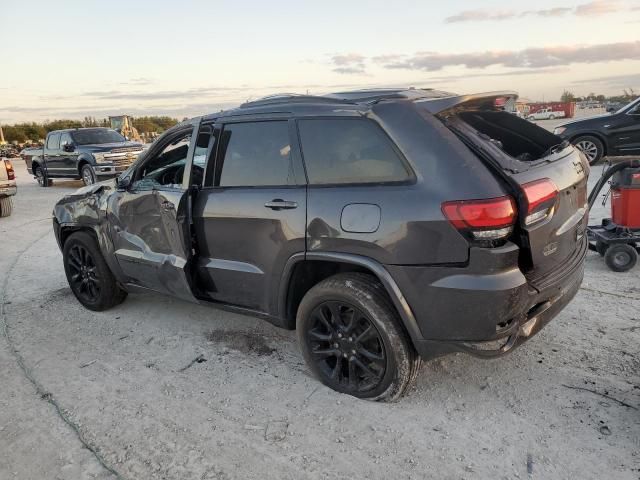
(338, 151)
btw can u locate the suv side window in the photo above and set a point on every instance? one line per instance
(255, 154)
(166, 168)
(349, 150)
(53, 142)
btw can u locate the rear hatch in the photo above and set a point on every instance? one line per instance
(546, 175)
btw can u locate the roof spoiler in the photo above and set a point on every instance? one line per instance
(476, 101)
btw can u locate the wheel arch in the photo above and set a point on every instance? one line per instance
(302, 272)
(82, 161)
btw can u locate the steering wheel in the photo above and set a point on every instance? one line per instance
(177, 177)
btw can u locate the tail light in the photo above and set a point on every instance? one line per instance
(484, 221)
(11, 174)
(542, 198)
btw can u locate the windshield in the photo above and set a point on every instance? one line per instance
(629, 106)
(97, 136)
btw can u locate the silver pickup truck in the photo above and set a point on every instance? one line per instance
(8, 186)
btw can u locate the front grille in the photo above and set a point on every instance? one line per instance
(125, 149)
(122, 158)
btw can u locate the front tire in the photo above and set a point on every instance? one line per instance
(89, 277)
(6, 206)
(352, 338)
(87, 174)
(621, 257)
(591, 146)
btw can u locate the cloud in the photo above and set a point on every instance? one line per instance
(614, 81)
(511, 73)
(479, 16)
(527, 58)
(550, 12)
(593, 8)
(138, 81)
(598, 7)
(349, 63)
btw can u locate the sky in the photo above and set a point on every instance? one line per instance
(70, 59)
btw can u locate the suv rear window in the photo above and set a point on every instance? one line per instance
(349, 151)
(255, 154)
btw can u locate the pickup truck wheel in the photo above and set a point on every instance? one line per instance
(621, 257)
(591, 146)
(352, 339)
(88, 275)
(6, 206)
(40, 177)
(87, 174)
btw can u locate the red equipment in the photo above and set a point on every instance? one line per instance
(625, 198)
(617, 239)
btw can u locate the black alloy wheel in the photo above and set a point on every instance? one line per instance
(352, 338)
(88, 274)
(84, 278)
(346, 346)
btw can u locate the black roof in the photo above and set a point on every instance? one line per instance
(349, 100)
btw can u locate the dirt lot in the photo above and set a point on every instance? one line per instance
(117, 394)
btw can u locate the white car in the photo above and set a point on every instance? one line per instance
(545, 114)
(8, 186)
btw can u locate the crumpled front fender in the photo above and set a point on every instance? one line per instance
(86, 209)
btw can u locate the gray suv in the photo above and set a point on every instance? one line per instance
(385, 226)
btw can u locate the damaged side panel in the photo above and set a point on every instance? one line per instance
(143, 235)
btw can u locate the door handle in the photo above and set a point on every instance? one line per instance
(167, 205)
(279, 204)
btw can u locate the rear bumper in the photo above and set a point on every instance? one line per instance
(485, 314)
(8, 190)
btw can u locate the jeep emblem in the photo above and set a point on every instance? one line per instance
(550, 248)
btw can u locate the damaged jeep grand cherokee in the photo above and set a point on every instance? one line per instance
(385, 226)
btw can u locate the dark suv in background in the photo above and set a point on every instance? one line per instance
(385, 226)
(616, 133)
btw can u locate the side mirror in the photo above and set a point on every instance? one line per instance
(68, 147)
(123, 183)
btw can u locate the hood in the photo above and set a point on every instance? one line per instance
(106, 147)
(476, 101)
(596, 119)
(89, 190)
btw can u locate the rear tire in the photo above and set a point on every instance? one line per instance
(352, 338)
(41, 178)
(89, 277)
(621, 257)
(6, 206)
(591, 146)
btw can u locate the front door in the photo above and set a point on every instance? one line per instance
(624, 132)
(250, 215)
(150, 219)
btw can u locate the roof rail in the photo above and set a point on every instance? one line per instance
(292, 98)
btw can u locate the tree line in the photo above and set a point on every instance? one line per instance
(626, 96)
(35, 132)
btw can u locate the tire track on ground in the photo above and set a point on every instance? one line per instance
(40, 390)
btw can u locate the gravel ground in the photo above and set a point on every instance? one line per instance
(118, 395)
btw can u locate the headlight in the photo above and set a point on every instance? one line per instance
(99, 157)
(559, 130)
